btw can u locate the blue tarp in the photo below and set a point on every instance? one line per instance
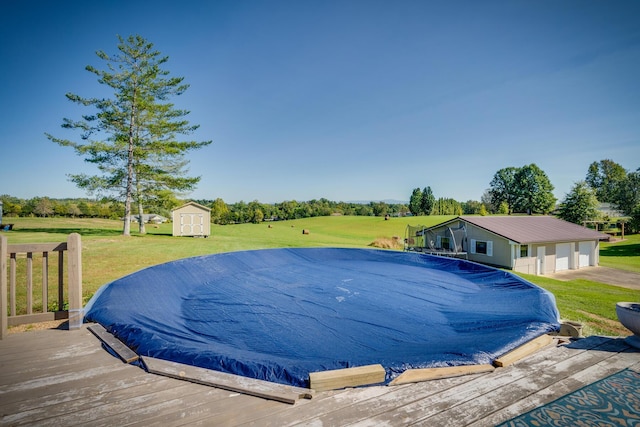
(279, 314)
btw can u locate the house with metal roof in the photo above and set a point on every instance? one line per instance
(527, 244)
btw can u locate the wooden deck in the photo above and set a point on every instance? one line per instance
(57, 377)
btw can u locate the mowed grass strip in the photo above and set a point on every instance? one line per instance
(107, 255)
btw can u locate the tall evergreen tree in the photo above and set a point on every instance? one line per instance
(427, 201)
(580, 204)
(132, 138)
(415, 202)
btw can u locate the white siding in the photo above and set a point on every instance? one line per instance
(584, 257)
(563, 256)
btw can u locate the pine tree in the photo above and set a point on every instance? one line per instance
(580, 204)
(415, 202)
(132, 138)
(427, 201)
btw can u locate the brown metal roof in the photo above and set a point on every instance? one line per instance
(534, 229)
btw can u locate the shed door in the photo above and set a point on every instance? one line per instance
(563, 254)
(585, 250)
(191, 224)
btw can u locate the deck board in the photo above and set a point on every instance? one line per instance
(57, 377)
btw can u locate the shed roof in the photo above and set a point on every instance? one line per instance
(193, 204)
(534, 229)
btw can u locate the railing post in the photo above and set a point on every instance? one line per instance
(74, 266)
(3, 288)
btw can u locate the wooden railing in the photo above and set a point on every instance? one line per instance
(11, 254)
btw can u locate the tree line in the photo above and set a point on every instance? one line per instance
(221, 212)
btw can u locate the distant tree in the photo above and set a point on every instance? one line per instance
(427, 201)
(73, 210)
(605, 177)
(503, 188)
(86, 208)
(628, 195)
(132, 138)
(472, 207)
(43, 207)
(486, 201)
(219, 211)
(483, 210)
(379, 208)
(256, 214)
(447, 206)
(580, 204)
(61, 209)
(415, 202)
(534, 191)
(634, 223)
(363, 210)
(11, 206)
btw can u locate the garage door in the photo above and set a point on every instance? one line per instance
(563, 253)
(585, 249)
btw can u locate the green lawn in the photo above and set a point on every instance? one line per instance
(624, 254)
(107, 255)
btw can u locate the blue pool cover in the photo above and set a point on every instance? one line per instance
(279, 314)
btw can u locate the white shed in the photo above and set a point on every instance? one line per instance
(191, 219)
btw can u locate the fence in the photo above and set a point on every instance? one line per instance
(9, 301)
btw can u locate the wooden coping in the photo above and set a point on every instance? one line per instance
(124, 353)
(348, 377)
(318, 381)
(426, 374)
(523, 351)
(236, 383)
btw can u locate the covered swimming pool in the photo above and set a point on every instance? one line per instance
(280, 314)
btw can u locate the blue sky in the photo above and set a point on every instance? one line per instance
(347, 100)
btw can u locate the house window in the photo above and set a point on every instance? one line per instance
(524, 251)
(484, 247)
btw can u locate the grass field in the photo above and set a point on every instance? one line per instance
(107, 255)
(623, 255)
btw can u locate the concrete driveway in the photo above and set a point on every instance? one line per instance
(610, 276)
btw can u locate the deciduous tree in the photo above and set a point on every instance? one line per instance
(534, 191)
(502, 188)
(526, 189)
(628, 197)
(605, 177)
